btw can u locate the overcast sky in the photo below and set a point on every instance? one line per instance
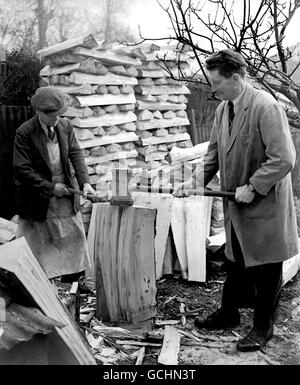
(155, 23)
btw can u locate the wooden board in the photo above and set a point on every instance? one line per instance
(136, 266)
(108, 79)
(92, 160)
(17, 258)
(85, 89)
(8, 230)
(165, 139)
(107, 119)
(108, 57)
(168, 258)
(84, 41)
(197, 212)
(163, 204)
(161, 90)
(108, 139)
(104, 242)
(162, 123)
(171, 347)
(159, 106)
(103, 100)
(178, 230)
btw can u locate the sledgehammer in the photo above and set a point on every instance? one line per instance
(122, 189)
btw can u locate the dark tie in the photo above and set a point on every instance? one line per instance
(230, 115)
(51, 133)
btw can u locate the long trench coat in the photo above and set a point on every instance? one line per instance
(260, 150)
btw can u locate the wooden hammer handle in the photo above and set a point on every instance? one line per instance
(91, 197)
(203, 192)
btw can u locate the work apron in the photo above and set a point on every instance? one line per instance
(58, 243)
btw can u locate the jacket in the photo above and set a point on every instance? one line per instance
(33, 177)
(260, 150)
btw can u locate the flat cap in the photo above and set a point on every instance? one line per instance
(49, 100)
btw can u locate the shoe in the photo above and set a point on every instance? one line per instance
(255, 340)
(220, 319)
(84, 289)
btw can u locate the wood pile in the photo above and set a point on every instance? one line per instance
(160, 105)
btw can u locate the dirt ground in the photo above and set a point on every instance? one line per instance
(202, 299)
(183, 301)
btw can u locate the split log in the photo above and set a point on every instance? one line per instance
(126, 89)
(161, 132)
(114, 90)
(181, 114)
(128, 126)
(109, 139)
(178, 230)
(84, 89)
(136, 270)
(162, 98)
(102, 90)
(112, 130)
(86, 41)
(141, 105)
(158, 90)
(151, 73)
(197, 227)
(115, 147)
(108, 79)
(146, 82)
(17, 259)
(171, 347)
(157, 115)
(91, 160)
(165, 139)
(127, 107)
(169, 115)
(107, 57)
(146, 98)
(144, 115)
(8, 230)
(99, 131)
(98, 111)
(105, 120)
(78, 112)
(112, 108)
(163, 204)
(160, 81)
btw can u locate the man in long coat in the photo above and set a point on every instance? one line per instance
(252, 147)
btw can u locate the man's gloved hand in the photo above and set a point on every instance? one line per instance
(88, 189)
(243, 194)
(60, 190)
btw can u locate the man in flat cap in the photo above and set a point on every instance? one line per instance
(49, 218)
(252, 147)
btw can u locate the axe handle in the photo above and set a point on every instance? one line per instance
(212, 193)
(204, 192)
(91, 197)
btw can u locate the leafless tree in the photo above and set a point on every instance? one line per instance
(254, 28)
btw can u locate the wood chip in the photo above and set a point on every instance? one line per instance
(166, 322)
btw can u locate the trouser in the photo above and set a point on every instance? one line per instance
(69, 278)
(263, 282)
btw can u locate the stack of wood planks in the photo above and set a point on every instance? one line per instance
(161, 104)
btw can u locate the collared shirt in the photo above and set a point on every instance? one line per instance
(236, 100)
(45, 129)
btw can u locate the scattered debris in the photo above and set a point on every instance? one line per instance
(171, 346)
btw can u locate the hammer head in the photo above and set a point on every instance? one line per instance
(121, 195)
